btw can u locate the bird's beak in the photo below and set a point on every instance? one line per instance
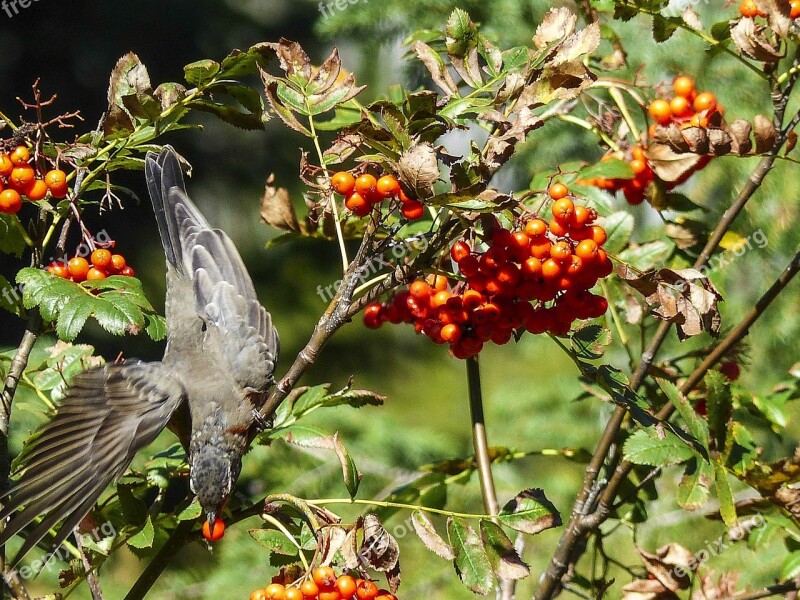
(211, 516)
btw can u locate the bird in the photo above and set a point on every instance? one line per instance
(218, 365)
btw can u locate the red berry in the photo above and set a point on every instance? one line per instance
(214, 534)
(343, 182)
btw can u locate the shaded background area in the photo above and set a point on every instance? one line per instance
(530, 387)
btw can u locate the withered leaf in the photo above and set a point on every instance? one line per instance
(432, 540)
(740, 132)
(129, 79)
(746, 37)
(284, 112)
(723, 587)
(685, 297)
(293, 59)
(647, 589)
(325, 76)
(436, 67)
(379, 550)
(670, 565)
(668, 164)
(578, 45)
(500, 146)
(277, 209)
(349, 548)
(557, 24)
(468, 67)
(330, 540)
(764, 133)
(719, 141)
(418, 168)
(169, 94)
(778, 15)
(502, 555)
(342, 148)
(697, 138)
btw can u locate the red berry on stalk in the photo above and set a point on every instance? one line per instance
(730, 369)
(459, 250)
(558, 191)
(78, 268)
(214, 534)
(412, 210)
(10, 202)
(387, 186)
(95, 274)
(343, 182)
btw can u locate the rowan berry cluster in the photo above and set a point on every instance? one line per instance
(365, 191)
(749, 8)
(103, 263)
(535, 278)
(633, 189)
(687, 108)
(325, 585)
(18, 179)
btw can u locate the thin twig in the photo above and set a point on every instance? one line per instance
(770, 590)
(91, 575)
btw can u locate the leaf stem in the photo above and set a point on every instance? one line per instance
(400, 505)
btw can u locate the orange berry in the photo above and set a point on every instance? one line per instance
(10, 202)
(638, 166)
(59, 192)
(366, 590)
(551, 269)
(309, 588)
(294, 593)
(59, 269)
(324, 577)
(275, 591)
(343, 182)
(366, 185)
(535, 227)
(213, 534)
(794, 9)
(387, 186)
(78, 268)
(385, 595)
(420, 289)
(748, 8)
(20, 155)
(412, 210)
(660, 111)
(558, 228)
(705, 102)
(55, 179)
(346, 586)
(558, 191)
(22, 177)
(459, 250)
(37, 190)
(638, 152)
(6, 166)
(126, 272)
(117, 262)
(680, 107)
(330, 595)
(561, 251)
(683, 86)
(587, 250)
(563, 210)
(95, 274)
(598, 235)
(451, 333)
(358, 204)
(540, 247)
(258, 595)
(101, 258)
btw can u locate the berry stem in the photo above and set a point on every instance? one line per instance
(384, 504)
(616, 95)
(479, 440)
(589, 127)
(280, 527)
(623, 337)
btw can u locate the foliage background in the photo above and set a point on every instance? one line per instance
(530, 387)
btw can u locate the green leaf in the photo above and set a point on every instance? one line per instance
(156, 327)
(201, 71)
(344, 115)
(646, 447)
(791, 566)
(144, 538)
(10, 299)
(503, 558)
(719, 406)
(530, 512)
(612, 168)
(648, 256)
(229, 114)
(589, 341)
(350, 473)
(248, 97)
(471, 562)
(428, 490)
(462, 35)
(72, 318)
(619, 228)
(721, 31)
(11, 240)
(133, 509)
(727, 509)
(274, 541)
(695, 484)
(191, 512)
(663, 28)
(696, 424)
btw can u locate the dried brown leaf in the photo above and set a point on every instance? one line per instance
(379, 549)
(556, 25)
(697, 138)
(647, 589)
(432, 540)
(436, 67)
(778, 15)
(330, 540)
(293, 59)
(764, 133)
(746, 37)
(668, 164)
(740, 132)
(418, 168)
(670, 565)
(578, 45)
(724, 586)
(277, 209)
(325, 76)
(719, 141)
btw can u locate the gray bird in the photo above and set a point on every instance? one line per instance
(219, 361)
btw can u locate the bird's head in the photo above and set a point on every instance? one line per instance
(213, 474)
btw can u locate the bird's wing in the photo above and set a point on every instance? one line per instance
(221, 287)
(108, 414)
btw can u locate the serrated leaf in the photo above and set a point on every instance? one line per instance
(791, 566)
(379, 547)
(201, 72)
(648, 256)
(619, 228)
(696, 424)
(133, 509)
(191, 512)
(663, 28)
(471, 562)
(612, 168)
(589, 342)
(72, 318)
(427, 533)
(727, 508)
(156, 327)
(530, 512)
(503, 558)
(144, 538)
(11, 240)
(647, 447)
(274, 541)
(695, 484)
(436, 67)
(229, 114)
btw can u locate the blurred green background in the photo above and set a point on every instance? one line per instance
(530, 387)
